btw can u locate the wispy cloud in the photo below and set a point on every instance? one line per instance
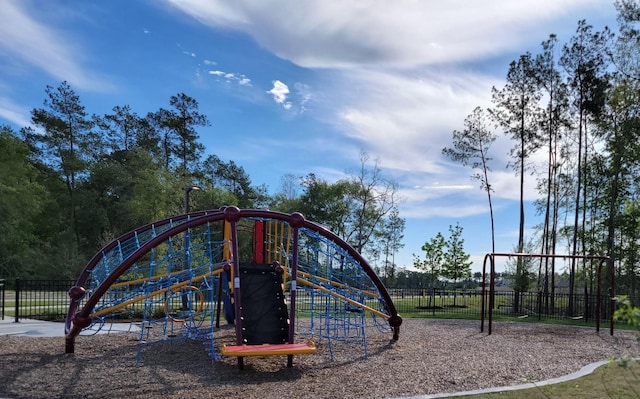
(406, 119)
(13, 112)
(45, 48)
(280, 91)
(185, 51)
(304, 95)
(402, 33)
(242, 80)
(16, 114)
(397, 79)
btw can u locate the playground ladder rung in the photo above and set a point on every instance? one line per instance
(268, 349)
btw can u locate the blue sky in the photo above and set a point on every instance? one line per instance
(303, 86)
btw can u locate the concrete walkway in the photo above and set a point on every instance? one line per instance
(38, 328)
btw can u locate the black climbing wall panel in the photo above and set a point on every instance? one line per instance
(265, 318)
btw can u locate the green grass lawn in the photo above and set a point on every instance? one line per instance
(611, 381)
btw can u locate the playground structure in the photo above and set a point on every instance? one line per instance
(486, 307)
(181, 275)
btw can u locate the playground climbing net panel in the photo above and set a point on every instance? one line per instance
(336, 301)
(176, 278)
(172, 291)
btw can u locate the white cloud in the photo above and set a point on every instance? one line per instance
(45, 48)
(304, 94)
(20, 116)
(242, 80)
(395, 78)
(14, 113)
(280, 91)
(403, 33)
(406, 120)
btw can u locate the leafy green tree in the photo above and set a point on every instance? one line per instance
(456, 263)
(433, 261)
(65, 144)
(233, 178)
(183, 121)
(178, 136)
(627, 312)
(356, 208)
(391, 241)
(129, 189)
(621, 124)
(618, 128)
(22, 201)
(325, 203)
(125, 130)
(287, 199)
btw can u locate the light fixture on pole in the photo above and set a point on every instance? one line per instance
(188, 190)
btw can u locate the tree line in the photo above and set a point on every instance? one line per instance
(578, 105)
(73, 182)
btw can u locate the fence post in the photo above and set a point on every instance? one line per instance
(2, 288)
(539, 305)
(17, 301)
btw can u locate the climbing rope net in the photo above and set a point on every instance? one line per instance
(173, 291)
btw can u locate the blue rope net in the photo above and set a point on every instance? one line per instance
(173, 290)
(334, 295)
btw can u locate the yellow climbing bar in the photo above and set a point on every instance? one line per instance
(140, 298)
(344, 298)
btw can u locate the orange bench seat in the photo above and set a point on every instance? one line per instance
(268, 349)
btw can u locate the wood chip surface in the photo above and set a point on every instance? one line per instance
(432, 356)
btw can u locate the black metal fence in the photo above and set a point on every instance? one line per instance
(2, 298)
(38, 299)
(48, 300)
(577, 308)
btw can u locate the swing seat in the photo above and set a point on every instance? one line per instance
(268, 349)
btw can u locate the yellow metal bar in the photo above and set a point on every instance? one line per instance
(201, 302)
(141, 298)
(288, 244)
(268, 240)
(145, 279)
(343, 298)
(278, 240)
(226, 251)
(336, 284)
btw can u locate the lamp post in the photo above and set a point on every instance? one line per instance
(188, 190)
(187, 255)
